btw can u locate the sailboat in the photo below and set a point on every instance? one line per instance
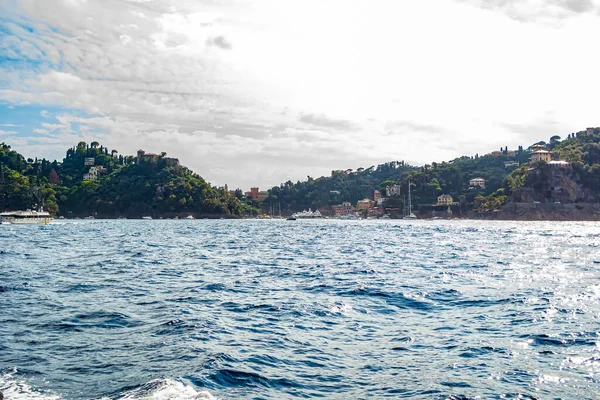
(410, 214)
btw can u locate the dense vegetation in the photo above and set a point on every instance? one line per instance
(128, 187)
(452, 177)
(427, 182)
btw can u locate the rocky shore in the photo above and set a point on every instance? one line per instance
(547, 212)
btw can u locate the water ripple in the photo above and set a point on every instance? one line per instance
(278, 310)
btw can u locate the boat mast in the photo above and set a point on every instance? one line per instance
(409, 203)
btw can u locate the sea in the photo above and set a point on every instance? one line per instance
(276, 309)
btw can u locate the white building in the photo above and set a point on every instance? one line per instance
(393, 190)
(91, 176)
(480, 182)
(89, 161)
(559, 164)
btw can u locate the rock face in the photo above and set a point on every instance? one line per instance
(551, 184)
(549, 212)
(550, 193)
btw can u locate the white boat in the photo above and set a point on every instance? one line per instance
(147, 217)
(190, 217)
(410, 214)
(25, 217)
(308, 214)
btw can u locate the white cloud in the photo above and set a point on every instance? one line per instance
(262, 92)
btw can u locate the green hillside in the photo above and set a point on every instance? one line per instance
(505, 171)
(125, 186)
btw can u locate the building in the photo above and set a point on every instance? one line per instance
(364, 204)
(342, 209)
(375, 211)
(379, 200)
(508, 164)
(254, 193)
(559, 164)
(94, 173)
(392, 191)
(540, 155)
(445, 199)
(262, 196)
(151, 157)
(143, 156)
(477, 182)
(376, 195)
(496, 153)
(89, 161)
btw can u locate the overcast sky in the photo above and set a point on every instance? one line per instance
(259, 92)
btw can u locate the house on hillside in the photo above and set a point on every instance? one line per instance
(364, 204)
(477, 182)
(445, 199)
(539, 154)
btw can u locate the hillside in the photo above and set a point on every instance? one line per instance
(428, 182)
(92, 181)
(509, 177)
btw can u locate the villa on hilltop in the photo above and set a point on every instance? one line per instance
(538, 154)
(142, 156)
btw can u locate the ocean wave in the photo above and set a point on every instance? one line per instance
(15, 389)
(165, 389)
(157, 389)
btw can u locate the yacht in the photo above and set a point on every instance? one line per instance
(308, 214)
(190, 217)
(25, 217)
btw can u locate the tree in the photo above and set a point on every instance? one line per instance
(554, 140)
(53, 177)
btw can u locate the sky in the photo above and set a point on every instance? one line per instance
(259, 92)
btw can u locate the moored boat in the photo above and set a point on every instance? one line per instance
(410, 214)
(25, 217)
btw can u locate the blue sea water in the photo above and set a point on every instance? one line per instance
(255, 309)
